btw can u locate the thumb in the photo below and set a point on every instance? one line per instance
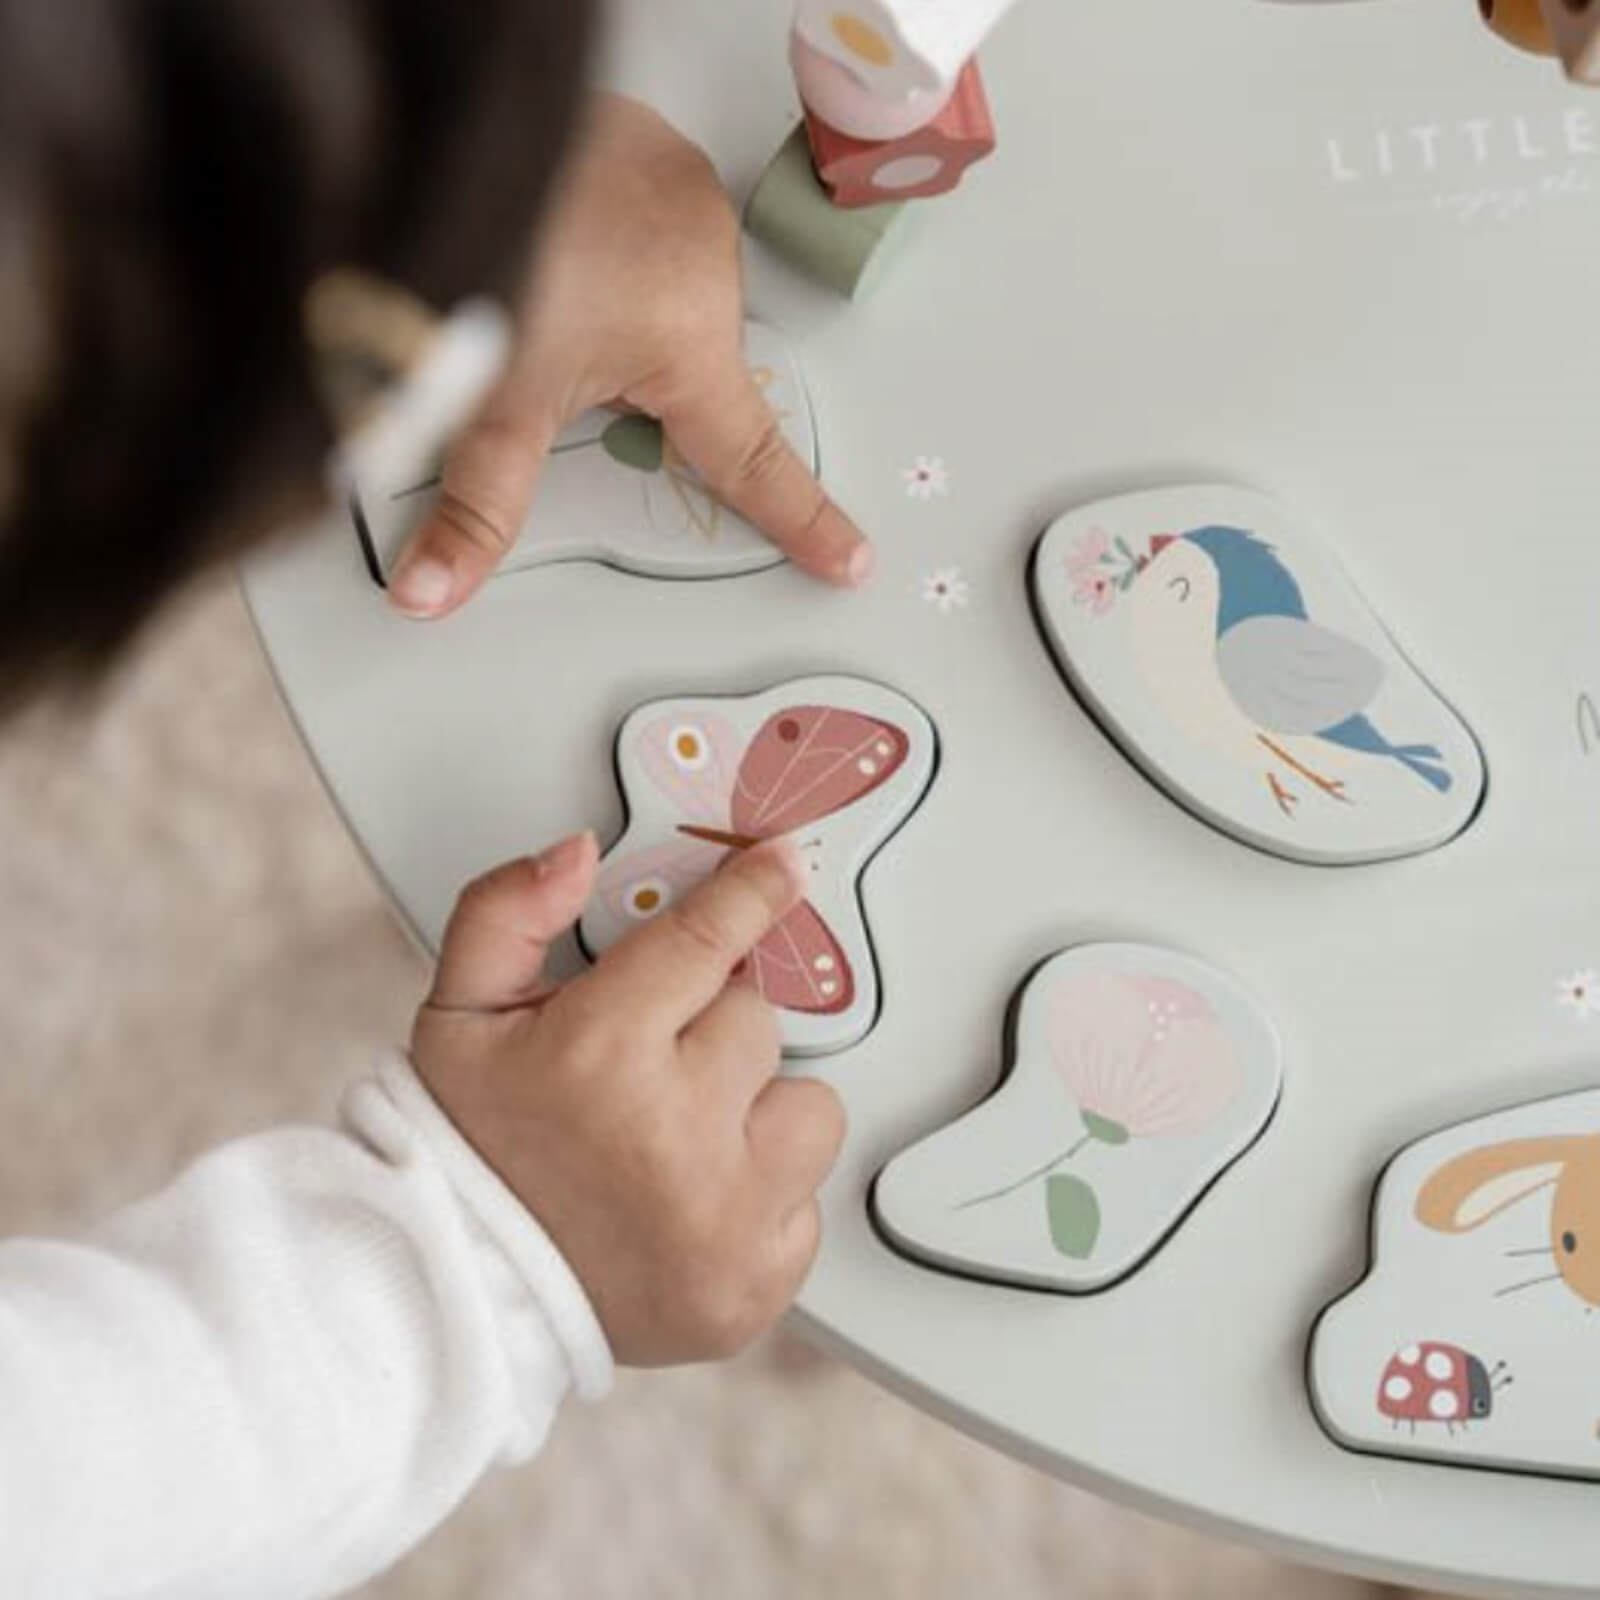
(724, 428)
(490, 474)
(493, 953)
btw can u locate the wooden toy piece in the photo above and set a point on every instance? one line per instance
(836, 764)
(929, 161)
(1519, 22)
(1235, 664)
(1138, 1076)
(1469, 1342)
(1575, 31)
(898, 46)
(840, 99)
(614, 490)
(790, 213)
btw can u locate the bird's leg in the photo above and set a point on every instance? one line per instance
(1287, 799)
(1333, 787)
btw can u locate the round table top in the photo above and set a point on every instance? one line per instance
(1338, 254)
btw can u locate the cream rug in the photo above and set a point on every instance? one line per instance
(190, 948)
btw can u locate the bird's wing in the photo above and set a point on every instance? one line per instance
(1291, 676)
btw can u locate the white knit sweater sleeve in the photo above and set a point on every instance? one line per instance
(277, 1375)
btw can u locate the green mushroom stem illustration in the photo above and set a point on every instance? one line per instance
(1072, 1207)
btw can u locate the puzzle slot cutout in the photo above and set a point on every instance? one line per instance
(834, 764)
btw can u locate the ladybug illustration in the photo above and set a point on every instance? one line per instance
(1433, 1382)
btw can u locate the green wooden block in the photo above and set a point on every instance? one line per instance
(791, 214)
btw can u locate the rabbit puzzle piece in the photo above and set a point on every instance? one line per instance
(1138, 1076)
(615, 490)
(1471, 1339)
(1239, 668)
(835, 764)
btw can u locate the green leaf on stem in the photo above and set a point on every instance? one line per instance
(636, 441)
(1074, 1214)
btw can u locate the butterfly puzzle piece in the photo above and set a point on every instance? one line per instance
(1138, 1076)
(1237, 666)
(834, 764)
(615, 490)
(1472, 1339)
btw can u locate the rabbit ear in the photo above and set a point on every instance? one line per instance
(1465, 1192)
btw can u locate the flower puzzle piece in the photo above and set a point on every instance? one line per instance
(615, 490)
(1238, 667)
(1138, 1076)
(1470, 1341)
(836, 764)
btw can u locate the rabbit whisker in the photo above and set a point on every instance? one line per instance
(1513, 1288)
(1537, 1250)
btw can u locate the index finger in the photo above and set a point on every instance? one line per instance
(724, 428)
(671, 968)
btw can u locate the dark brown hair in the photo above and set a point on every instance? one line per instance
(173, 175)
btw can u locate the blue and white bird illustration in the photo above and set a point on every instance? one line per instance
(1224, 639)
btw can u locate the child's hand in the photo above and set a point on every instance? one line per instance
(635, 1111)
(635, 299)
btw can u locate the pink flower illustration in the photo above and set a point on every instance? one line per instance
(1097, 590)
(1144, 1057)
(1093, 548)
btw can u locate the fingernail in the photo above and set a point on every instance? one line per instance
(561, 858)
(859, 567)
(422, 587)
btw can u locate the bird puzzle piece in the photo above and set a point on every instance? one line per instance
(1237, 666)
(615, 490)
(1470, 1341)
(929, 161)
(897, 47)
(835, 764)
(1138, 1076)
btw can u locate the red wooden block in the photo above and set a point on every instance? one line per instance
(930, 161)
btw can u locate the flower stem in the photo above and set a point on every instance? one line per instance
(1027, 1177)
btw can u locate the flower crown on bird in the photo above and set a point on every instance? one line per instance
(1101, 567)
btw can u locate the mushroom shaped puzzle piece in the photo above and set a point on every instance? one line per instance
(1139, 1076)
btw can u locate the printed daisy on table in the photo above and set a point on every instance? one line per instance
(926, 478)
(946, 589)
(1580, 993)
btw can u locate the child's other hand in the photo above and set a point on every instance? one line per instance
(636, 1111)
(635, 299)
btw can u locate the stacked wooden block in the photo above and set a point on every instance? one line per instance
(895, 111)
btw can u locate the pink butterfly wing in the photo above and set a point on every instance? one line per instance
(800, 967)
(693, 759)
(808, 762)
